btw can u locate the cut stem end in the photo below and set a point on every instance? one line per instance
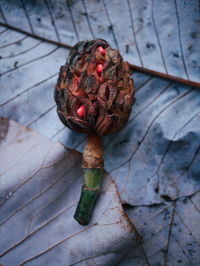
(89, 194)
(86, 205)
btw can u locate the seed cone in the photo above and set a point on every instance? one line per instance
(94, 94)
(98, 81)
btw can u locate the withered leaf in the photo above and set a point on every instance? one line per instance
(40, 187)
(162, 36)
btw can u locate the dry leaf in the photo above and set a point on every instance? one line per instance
(161, 36)
(40, 187)
(170, 233)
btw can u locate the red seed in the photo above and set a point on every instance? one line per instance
(99, 68)
(80, 111)
(101, 50)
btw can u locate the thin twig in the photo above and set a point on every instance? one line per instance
(133, 67)
(164, 76)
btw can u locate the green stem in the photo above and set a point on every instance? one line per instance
(89, 194)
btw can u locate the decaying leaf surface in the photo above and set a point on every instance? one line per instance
(163, 36)
(158, 153)
(40, 186)
(170, 233)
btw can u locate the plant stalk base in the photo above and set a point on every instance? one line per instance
(92, 165)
